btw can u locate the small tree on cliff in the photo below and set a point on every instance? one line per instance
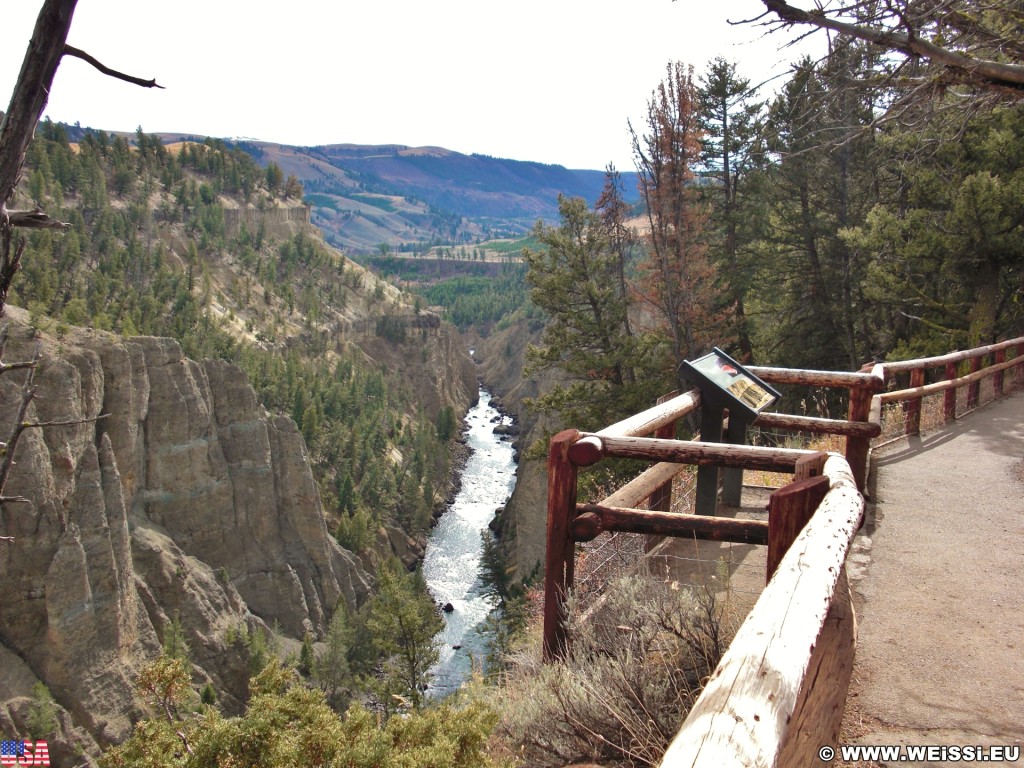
(46, 49)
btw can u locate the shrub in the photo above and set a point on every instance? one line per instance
(635, 667)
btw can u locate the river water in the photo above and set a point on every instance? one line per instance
(451, 565)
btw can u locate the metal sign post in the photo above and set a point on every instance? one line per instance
(725, 385)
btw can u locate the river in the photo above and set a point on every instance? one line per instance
(451, 565)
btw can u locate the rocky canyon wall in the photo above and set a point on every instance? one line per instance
(174, 499)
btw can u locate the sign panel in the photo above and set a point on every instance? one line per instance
(717, 372)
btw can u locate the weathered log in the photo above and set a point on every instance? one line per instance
(818, 714)
(594, 519)
(648, 421)
(789, 509)
(817, 426)
(858, 447)
(803, 377)
(912, 408)
(641, 487)
(974, 388)
(949, 398)
(560, 559)
(702, 454)
(944, 386)
(760, 691)
(953, 357)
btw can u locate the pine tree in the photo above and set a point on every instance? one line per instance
(732, 150)
(574, 277)
(401, 623)
(677, 279)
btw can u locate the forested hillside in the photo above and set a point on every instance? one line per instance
(197, 242)
(409, 198)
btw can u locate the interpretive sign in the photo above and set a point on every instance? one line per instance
(717, 372)
(724, 385)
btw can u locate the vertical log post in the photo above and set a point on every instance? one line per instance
(912, 408)
(661, 499)
(949, 401)
(732, 482)
(560, 560)
(857, 447)
(974, 388)
(789, 510)
(997, 378)
(1018, 377)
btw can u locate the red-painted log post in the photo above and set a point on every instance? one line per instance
(857, 447)
(560, 560)
(949, 401)
(661, 498)
(974, 388)
(790, 509)
(998, 357)
(912, 408)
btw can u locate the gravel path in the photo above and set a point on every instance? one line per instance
(938, 574)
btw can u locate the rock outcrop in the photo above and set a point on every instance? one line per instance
(173, 499)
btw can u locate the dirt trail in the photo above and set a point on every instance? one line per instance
(938, 575)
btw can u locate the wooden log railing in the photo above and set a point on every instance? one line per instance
(570, 450)
(982, 363)
(779, 691)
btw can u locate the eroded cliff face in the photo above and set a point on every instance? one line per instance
(175, 498)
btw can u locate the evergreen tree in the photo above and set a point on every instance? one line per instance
(948, 240)
(811, 287)
(677, 279)
(732, 151)
(401, 624)
(574, 277)
(331, 668)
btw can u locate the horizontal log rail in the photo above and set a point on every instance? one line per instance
(594, 519)
(902, 366)
(644, 485)
(942, 386)
(649, 421)
(779, 691)
(591, 448)
(830, 379)
(911, 397)
(817, 425)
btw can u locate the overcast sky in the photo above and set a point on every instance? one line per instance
(548, 80)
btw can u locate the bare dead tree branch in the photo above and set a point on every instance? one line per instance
(982, 72)
(35, 219)
(80, 54)
(45, 51)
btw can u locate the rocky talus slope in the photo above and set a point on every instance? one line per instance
(174, 499)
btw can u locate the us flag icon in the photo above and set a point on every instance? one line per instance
(17, 752)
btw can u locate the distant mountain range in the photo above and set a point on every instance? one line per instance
(410, 197)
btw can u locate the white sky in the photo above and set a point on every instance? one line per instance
(547, 80)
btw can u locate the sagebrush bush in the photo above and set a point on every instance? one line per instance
(636, 664)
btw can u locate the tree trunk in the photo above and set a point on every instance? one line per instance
(28, 101)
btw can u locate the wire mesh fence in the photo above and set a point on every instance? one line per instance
(898, 418)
